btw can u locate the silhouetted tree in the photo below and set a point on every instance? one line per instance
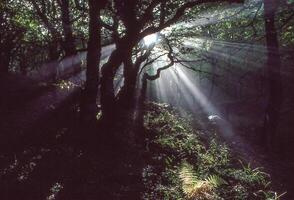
(273, 67)
(138, 19)
(89, 96)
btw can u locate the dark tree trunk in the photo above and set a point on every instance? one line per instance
(127, 96)
(141, 102)
(129, 91)
(53, 53)
(23, 66)
(89, 96)
(272, 114)
(122, 54)
(4, 63)
(69, 41)
(108, 104)
(6, 54)
(140, 110)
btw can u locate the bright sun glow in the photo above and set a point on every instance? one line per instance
(150, 39)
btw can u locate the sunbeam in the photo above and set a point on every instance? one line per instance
(151, 39)
(178, 87)
(146, 99)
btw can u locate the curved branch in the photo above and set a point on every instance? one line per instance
(150, 62)
(159, 70)
(181, 62)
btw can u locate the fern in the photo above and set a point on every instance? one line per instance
(194, 188)
(216, 181)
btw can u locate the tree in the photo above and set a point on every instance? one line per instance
(88, 104)
(48, 13)
(10, 34)
(149, 17)
(69, 41)
(273, 67)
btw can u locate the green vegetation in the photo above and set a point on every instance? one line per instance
(183, 165)
(75, 74)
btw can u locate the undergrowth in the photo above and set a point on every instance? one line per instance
(181, 165)
(178, 164)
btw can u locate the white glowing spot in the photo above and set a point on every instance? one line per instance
(150, 39)
(213, 117)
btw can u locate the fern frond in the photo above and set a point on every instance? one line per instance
(216, 181)
(194, 188)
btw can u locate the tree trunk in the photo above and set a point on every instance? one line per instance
(127, 96)
(118, 56)
(108, 105)
(140, 111)
(141, 102)
(89, 96)
(4, 63)
(272, 114)
(6, 54)
(23, 66)
(69, 41)
(53, 52)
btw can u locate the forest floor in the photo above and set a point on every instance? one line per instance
(53, 159)
(61, 162)
(244, 146)
(28, 103)
(278, 166)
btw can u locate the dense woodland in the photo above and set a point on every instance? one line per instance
(146, 99)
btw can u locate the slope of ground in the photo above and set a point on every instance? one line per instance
(172, 161)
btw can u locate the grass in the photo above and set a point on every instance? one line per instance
(181, 165)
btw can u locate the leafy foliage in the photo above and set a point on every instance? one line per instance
(181, 165)
(199, 189)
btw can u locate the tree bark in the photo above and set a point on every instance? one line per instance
(69, 41)
(273, 66)
(53, 48)
(89, 96)
(4, 63)
(108, 70)
(117, 57)
(6, 49)
(127, 95)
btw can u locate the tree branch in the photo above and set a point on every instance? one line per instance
(178, 14)
(159, 70)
